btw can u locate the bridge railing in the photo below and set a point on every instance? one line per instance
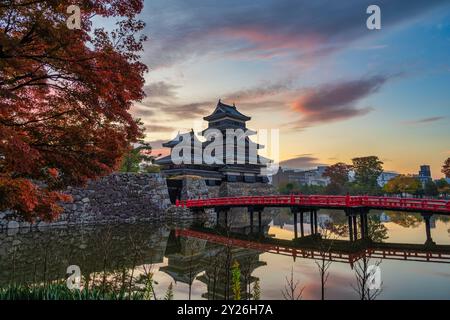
(432, 205)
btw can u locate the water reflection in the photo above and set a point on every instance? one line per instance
(199, 261)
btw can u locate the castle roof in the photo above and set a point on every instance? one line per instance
(224, 110)
(172, 143)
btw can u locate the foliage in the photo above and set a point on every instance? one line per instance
(359, 189)
(152, 169)
(377, 231)
(405, 219)
(149, 291)
(256, 290)
(236, 280)
(59, 291)
(338, 174)
(137, 155)
(288, 188)
(169, 292)
(367, 170)
(443, 187)
(65, 97)
(446, 168)
(403, 184)
(431, 189)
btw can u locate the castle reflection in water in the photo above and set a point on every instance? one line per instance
(202, 255)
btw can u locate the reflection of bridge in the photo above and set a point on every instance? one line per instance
(353, 206)
(333, 250)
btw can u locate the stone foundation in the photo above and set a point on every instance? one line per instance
(129, 198)
(120, 197)
(239, 217)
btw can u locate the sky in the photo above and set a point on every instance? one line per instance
(334, 89)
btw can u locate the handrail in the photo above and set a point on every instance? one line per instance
(432, 205)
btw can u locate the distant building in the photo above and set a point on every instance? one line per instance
(384, 217)
(312, 177)
(316, 178)
(384, 178)
(424, 174)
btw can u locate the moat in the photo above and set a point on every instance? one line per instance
(198, 266)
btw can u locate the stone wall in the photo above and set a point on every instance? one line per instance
(192, 188)
(130, 197)
(238, 217)
(120, 197)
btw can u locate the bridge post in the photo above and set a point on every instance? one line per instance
(251, 210)
(427, 217)
(294, 211)
(217, 216)
(315, 221)
(355, 228)
(302, 231)
(350, 226)
(259, 221)
(226, 218)
(362, 225)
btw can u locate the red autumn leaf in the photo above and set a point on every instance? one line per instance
(64, 98)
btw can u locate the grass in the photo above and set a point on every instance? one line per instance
(61, 292)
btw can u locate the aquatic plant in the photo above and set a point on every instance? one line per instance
(236, 280)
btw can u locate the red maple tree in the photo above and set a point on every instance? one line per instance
(64, 98)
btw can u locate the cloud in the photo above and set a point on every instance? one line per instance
(160, 89)
(424, 120)
(336, 101)
(257, 97)
(182, 29)
(189, 110)
(260, 91)
(306, 161)
(150, 128)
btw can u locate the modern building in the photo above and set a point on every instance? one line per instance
(384, 178)
(424, 174)
(313, 177)
(239, 162)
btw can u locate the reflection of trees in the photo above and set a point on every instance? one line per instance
(376, 231)
(218, 274)
(362, 278)
(290, 290)
(324, 248)
(404, 219)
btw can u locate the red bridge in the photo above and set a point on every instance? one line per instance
(353, 206)
(325, 202)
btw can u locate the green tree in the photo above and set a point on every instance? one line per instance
(431, 189)
(403, 184)
(288, 188)
(367, 170)
(443, 187)
(311, 189)
(138, 153)
(446, 168)
(338, 174)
